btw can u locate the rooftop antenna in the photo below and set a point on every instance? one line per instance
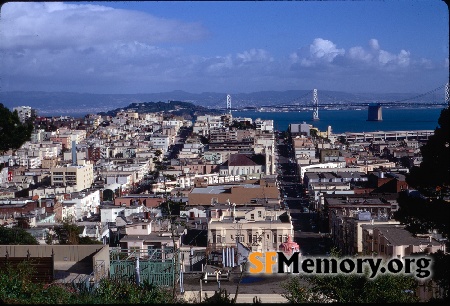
(316, 105)
(229, 104)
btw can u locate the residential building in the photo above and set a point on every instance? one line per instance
(79, 177)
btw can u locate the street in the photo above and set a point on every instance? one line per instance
(306, 226)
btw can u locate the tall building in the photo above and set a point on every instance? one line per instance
(79, 177)
(24, 112)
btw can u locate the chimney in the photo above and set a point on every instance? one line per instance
(74, 151)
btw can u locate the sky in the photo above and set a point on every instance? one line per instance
(224, 46)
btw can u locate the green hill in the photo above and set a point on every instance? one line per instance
(176, 108)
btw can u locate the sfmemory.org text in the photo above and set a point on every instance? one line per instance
(420, 267)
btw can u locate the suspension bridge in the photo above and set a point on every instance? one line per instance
(310, 101)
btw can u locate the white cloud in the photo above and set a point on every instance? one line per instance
(74, 47)
(359, 54)
(61, 25)
(403, 58)
(255, 55)
(321, 51)
(385, 57)
(373, 43)
(324, 49)
(400, 60)
(425, 63)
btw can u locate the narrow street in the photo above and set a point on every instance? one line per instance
(306, 229)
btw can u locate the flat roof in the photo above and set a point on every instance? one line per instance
(217, 189)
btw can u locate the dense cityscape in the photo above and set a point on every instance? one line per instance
(209, 152)
(181, 203)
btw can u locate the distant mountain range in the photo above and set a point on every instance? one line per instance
(69, 103)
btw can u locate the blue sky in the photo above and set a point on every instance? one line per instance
(224, 46)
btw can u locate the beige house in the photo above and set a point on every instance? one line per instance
(257, 228)
(395, 241)
(79, 177)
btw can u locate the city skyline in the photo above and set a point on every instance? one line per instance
(234, 47)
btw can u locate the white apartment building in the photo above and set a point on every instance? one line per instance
(30, 162)
(109, 213)
(160, 142)
(264, 125)
(85, 203)
(68, 212)
(37, 136)
(204, 124)
(24, 112)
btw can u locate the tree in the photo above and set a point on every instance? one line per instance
(88, 240)
(68, 233)
(16, 287)
(16, 235)
(434, 170)
(426, 210)
(13, 133)
(219, 297)
(350, 289)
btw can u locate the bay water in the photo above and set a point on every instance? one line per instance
(341, 121)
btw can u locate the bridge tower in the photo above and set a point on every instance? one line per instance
(316, 105)
(375, 112)
(447, 94)
(229, 104)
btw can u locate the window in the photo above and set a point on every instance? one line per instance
(252, 216)
(280, 238)
(219, 239)
(274, 238)
(255, 239)
(259, 214)
(144, 226)
(249, 238)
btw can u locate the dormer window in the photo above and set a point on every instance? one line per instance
(252, 216)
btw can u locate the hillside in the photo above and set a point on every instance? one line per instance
(177, 108)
